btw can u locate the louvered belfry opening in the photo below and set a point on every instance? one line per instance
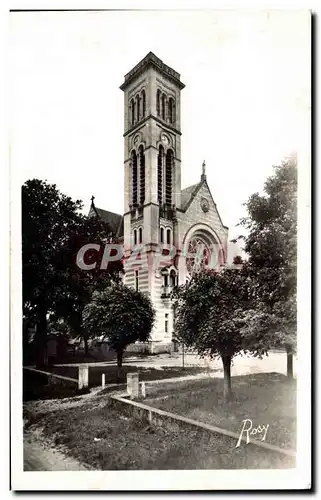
(138, 107)
(160, 162)
(158, 98)
(170, 110)
(142, 175)
(134, 177)
(163, 106)
(132, 105)
(143, 103)
(169, 177)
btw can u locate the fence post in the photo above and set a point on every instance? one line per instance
(133, 385)
(82, 376)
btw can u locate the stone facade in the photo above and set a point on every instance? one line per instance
(157, 212)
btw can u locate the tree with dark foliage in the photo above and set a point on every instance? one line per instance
(80, 284)
(53, 231)
(121, 315)
(48, 217)
(271, 246)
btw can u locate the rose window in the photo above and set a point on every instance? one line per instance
(198, 255)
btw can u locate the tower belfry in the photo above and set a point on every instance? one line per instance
(152, 167)
(152, 148)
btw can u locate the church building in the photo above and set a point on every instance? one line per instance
(158, 213)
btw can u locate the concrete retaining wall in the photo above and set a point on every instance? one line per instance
(174, 421)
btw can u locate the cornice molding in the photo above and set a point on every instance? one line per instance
(162, 123)
(152, 60)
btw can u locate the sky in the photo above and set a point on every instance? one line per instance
(246, 105)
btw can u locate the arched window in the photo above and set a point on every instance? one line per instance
(168, 236)
(132, 106)
(162, 235)
(170, 109)
(168, 177)
(160, 162)
(138, 107)
(143, 103)
(163, 106)
(158, 99)
(172, 278)
(134, 177)
(135, 237)
(142, 174)
(140, 235)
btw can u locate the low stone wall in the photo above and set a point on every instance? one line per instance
(139, 348)
(160, 348)
(175, 422)
(151, 348)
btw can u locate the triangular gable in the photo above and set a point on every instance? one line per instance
(192, 191)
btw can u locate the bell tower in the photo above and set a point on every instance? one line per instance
(152, 164)
(152, 147)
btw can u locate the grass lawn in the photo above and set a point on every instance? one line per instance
(265, 398)
(98, 434)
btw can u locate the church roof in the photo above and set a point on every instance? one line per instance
(186, 194)
(115, 221)
(151, 60)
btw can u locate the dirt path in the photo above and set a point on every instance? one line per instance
(37, 456)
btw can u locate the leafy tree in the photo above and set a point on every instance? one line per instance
(48, 217)
(271, 246)
(54, 286)
(81, 283)
(121, 315)
(210, 317)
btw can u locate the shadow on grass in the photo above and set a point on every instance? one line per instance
(115, 376)
(37, 386)
(95, 357)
